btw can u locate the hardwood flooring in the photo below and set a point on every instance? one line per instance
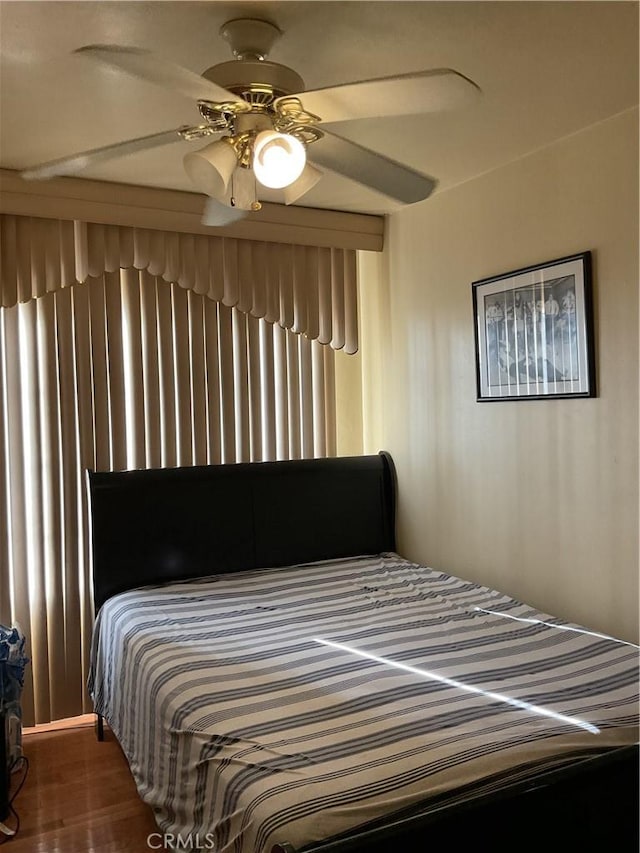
(79, 797)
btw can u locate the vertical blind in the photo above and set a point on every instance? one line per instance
(128, 371)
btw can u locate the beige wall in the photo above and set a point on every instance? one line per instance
(536, 498)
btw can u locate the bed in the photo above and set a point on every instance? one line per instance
(281, 680)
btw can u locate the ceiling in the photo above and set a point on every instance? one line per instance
(546, 70)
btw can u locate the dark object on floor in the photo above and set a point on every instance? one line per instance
(4, 770)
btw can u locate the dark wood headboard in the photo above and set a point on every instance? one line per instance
(170, 524)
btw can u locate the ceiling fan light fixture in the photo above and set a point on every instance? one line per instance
(210, 169)
(278, 159)
(248, 98)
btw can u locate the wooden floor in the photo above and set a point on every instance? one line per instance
(79, 797)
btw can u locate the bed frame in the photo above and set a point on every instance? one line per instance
(172, 524)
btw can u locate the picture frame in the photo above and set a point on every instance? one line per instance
(534, 333)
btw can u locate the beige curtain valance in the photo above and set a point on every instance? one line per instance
(310, 290)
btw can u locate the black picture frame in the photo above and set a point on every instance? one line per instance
(534, 335)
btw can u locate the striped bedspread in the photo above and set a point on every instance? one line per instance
(294, 704)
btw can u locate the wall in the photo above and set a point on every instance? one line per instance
(536, 498)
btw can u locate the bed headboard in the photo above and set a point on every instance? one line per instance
(176, 523)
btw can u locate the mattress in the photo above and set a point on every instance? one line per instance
(292, 705)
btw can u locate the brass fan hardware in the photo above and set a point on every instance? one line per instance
(291, 108)
(221, 115)
(200, 131)
(290, 117)
(243, 146)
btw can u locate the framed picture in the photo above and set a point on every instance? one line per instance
(534, 332)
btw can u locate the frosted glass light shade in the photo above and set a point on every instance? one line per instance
(278, 159)
(210, 169)
(307, 180)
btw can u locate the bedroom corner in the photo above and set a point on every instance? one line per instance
(539, 497)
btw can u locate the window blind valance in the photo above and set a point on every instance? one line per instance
(310, 290)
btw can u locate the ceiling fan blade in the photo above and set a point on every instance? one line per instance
(406, 94)
(217, 214)
(77, 162)
(147, 66)
(370, 169)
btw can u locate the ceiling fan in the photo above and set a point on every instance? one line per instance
(268, 131)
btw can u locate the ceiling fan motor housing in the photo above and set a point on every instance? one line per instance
(250, 75)
(254, 78)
